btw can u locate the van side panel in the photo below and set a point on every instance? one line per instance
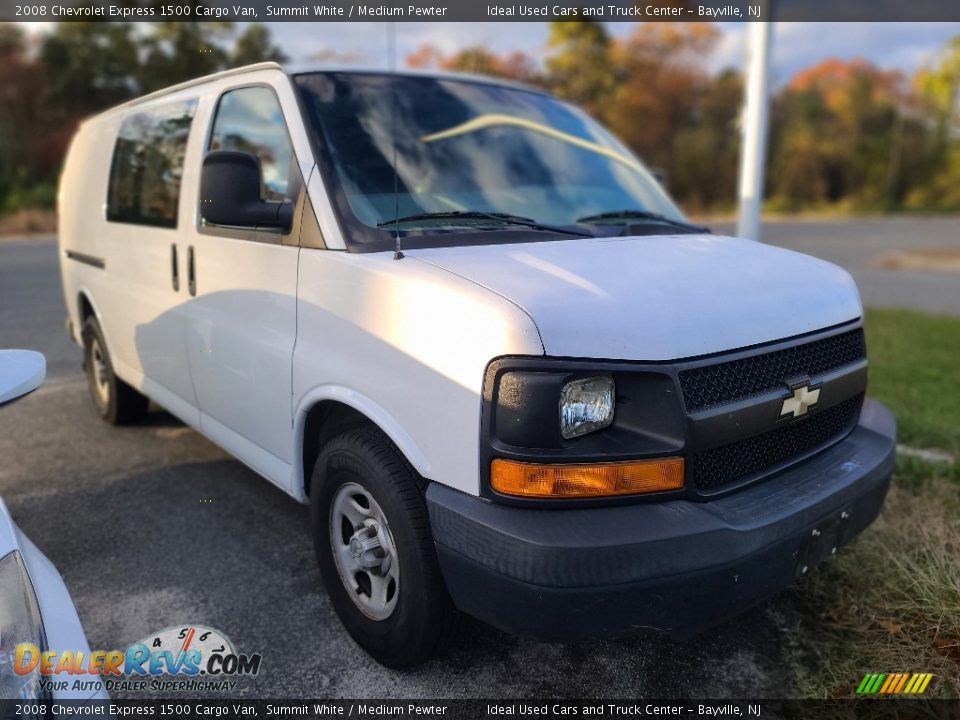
(144, 317)
(409, 341)
(78, 206)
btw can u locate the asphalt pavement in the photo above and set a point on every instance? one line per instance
(153, 526)
(857, 243)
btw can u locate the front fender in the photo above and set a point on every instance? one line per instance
(380, 417)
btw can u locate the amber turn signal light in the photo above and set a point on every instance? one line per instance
(586, 480)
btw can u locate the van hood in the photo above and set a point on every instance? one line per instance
(657, 297)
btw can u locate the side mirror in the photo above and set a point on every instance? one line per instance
(230, 193)
(21, 372)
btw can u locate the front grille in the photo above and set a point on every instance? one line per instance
(724, 382)
(742, 460)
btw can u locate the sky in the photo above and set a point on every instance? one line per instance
(905, 46)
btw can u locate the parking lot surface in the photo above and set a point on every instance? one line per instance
(152, 526)
(857, 245)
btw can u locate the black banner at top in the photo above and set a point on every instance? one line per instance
(482, 10)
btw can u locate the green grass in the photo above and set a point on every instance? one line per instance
(915, 370)
(915, 474)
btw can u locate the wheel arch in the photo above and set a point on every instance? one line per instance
(327, 411)
(86, 306)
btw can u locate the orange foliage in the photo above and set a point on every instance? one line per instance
(426, 56)
(663, 80)
(672, 43)
(832, 79)
(514, 65)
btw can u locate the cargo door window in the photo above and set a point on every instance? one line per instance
(147, 166)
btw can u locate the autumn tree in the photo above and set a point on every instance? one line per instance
(95, 65)
(703, 165)
(425, 57)
(843, 133)
(657, 105)
(179, 51)
(838, 136)
(22, 115)
(255, 45)
(49, 84)
(938, 90)
(477, 60)
(580, 66)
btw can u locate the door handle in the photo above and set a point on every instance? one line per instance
(191, 272)
(174, 267)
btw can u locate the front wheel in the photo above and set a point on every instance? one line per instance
(375, 550)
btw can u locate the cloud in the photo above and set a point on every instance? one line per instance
(36, 28)
(731, 49)
(904, 46)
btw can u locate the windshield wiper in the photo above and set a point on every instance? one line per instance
(504, 218)
(628, 215)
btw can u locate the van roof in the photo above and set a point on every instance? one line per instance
(190, 83)
(305, 69)
(413, 72)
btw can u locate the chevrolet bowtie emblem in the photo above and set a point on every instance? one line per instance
(802, 399)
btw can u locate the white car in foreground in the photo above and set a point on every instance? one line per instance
(35, 606)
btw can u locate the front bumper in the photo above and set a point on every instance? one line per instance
(671, 568)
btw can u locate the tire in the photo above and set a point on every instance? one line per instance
(115, 401)
(416, 620)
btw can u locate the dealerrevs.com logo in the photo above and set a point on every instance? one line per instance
(190, 658)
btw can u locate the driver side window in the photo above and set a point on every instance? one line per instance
(250, 120)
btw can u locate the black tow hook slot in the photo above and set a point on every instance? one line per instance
(822, 541)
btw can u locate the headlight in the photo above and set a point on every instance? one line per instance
(585, 406)
(19, 623)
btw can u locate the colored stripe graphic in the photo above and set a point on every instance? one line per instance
(915, 681)
(901, 682)
(894, 683)
(870, 683)
(891, 679)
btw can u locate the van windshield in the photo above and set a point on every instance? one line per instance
(438, 159)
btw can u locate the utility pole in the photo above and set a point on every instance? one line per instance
(753, 149)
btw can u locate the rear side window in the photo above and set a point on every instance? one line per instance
(148, 165)
(250, 120)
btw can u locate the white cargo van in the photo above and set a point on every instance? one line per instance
(469, 328)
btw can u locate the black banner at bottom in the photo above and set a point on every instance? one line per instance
(456, 709)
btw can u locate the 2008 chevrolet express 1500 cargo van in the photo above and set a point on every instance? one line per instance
(559, 407)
